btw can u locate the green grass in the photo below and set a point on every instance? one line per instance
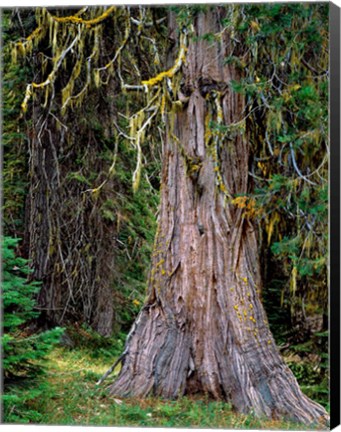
(67, 395)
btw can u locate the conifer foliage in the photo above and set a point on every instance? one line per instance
(21, 348)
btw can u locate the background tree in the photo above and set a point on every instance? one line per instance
(82, 244)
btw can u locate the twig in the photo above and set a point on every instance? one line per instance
(112, 368)
(296, 167)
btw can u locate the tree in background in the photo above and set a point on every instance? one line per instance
(203, 311)
(89, 250)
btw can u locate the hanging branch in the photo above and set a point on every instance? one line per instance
(75, 19)
(51, 77)
(296, 167)
(156, 100)
(139, 137)
(121, 47)
(151, 82)
(75, 75)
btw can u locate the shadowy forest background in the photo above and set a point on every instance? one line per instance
(81, 194)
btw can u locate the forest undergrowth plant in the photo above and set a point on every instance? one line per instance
(22, 350)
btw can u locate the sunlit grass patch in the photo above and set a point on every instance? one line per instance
(68, 395)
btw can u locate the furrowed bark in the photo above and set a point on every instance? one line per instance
(203, 328)
(70, 243)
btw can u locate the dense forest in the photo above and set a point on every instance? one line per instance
(165, 215)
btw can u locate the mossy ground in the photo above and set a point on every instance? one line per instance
(67, 395)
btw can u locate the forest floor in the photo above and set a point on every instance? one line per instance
(67, 394)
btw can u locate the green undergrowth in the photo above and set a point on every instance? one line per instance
(67, 394)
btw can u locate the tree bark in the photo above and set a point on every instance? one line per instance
(203, 327)
(70, 243)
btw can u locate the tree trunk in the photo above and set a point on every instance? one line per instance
(203, 327)
(70, 243)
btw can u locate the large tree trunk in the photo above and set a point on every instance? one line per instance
(203, 327)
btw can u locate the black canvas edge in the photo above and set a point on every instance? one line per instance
(334, 209)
